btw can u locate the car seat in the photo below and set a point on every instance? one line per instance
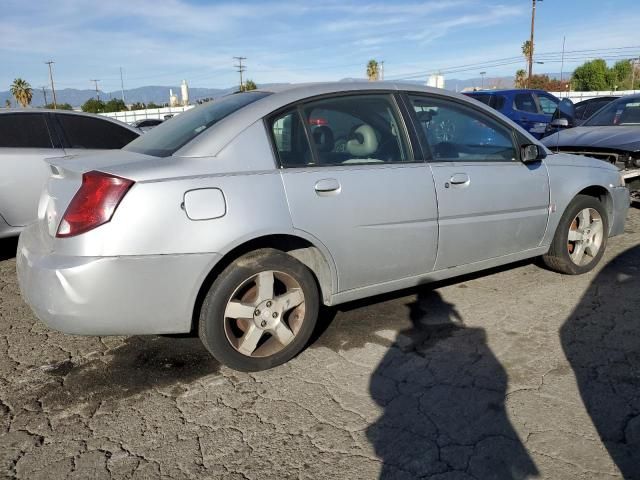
(363, 141)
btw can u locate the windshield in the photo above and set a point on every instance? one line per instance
(625, 111)
(171, 135)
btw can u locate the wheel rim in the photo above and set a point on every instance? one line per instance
(264, 314)
(586, 234)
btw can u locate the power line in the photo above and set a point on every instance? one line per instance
(53, 89)
(241, 69)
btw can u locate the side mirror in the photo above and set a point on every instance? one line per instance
(531, 153)
(560, 123)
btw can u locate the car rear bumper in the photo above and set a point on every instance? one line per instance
(621, 202)
(128, 295)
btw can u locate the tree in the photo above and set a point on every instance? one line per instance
(373, 71)
(21, 91)
(526, 50)
(622, 74)
(248, 85)
(93, 106)
(153, 105)
(59, 106)
(138, 106)
(593, 75)
(543, 82)
(7, 103)
(521, 78)
(115, 105)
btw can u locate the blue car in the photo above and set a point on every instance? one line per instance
(531, 109)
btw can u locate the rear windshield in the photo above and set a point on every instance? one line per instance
(173, 134)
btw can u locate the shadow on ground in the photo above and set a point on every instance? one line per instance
(601, 340)
(8, 247)
(442, 392)
(139, 365)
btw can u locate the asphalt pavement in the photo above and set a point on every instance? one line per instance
(514, 373)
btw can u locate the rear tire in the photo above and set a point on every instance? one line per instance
(260, 312)
(581, 237)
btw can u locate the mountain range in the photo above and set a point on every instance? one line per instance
(160, 94)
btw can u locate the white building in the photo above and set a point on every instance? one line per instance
(436, 81)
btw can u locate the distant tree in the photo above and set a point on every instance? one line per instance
(138, 106)
(521, 78)
(21, 91)
(373, 71)
(526, 50)
(59, 106)
(622, 74)
(115, 105)
(543, 82)
(248, 85)
(153, 105)
(7, 103)
(93, 106)
(593, 75)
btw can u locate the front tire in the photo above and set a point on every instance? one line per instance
(260, 312)
(581, 237)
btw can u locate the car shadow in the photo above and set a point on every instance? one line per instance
(442, 392)
(8, 248)
(138, 365)
(601, 340)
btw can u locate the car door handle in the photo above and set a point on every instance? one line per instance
(459, 180)
(327, 186)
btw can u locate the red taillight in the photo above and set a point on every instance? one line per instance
(93, 205)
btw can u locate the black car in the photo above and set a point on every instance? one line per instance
(586, 108)
(611, 134)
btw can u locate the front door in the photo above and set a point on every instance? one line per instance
(356, 187)
(489, 203)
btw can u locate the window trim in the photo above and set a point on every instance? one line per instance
(299, 105)
(516, 139)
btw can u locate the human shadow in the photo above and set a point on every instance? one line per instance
(443, 397)
(601, 340)
(8, 248)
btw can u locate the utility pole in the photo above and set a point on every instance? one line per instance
(53, 89)
(44, 93)
(382, 70)
(533, 18)
(95, 81)
(562, 61)
(482, 74)
(241, 68)
(122, 86)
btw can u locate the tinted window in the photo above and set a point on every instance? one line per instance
(24, 130)
(525, 103)
(457, 133)
(291, 140)
(93, 133)
(485, 98)
(547, 104)
(581, 111)
(625, 111)
(168, 137)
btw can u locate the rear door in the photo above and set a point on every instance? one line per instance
(83, 134)
(26, 139)
(489, 203)
(353, 182)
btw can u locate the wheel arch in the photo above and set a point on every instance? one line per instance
(601, 194)
(298, 247)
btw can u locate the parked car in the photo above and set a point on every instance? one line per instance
(146, 123)
(531, 109)
(586, 108)
(238, 218)
(576, 114)
(27, 137)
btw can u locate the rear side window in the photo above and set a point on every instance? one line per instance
(93, 133)
(525, 103)
(24, 130)
(490, 99)
(168, 137)
(290, 140)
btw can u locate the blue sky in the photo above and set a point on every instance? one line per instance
(161, 42)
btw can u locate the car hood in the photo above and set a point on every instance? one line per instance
(625, 138)
(567, 159)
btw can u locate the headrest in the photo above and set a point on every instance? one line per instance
(323, 138)
(363, 142)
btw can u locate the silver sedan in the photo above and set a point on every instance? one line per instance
(239, 218)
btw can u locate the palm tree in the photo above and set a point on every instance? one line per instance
(22, 92)
(520, 78)
(373, 71)
(526, 50)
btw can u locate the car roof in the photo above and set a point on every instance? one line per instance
(506, 90)
(68, 112)
(211, 141)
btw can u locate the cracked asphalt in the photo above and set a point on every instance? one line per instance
(514, 373)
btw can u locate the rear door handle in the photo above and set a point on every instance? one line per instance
(459, 179)
(327, 186)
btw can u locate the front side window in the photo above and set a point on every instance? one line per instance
(457, 133)
(93, 133)
(24, 130)
(358, 129)
(525, 103)
(547, 104)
